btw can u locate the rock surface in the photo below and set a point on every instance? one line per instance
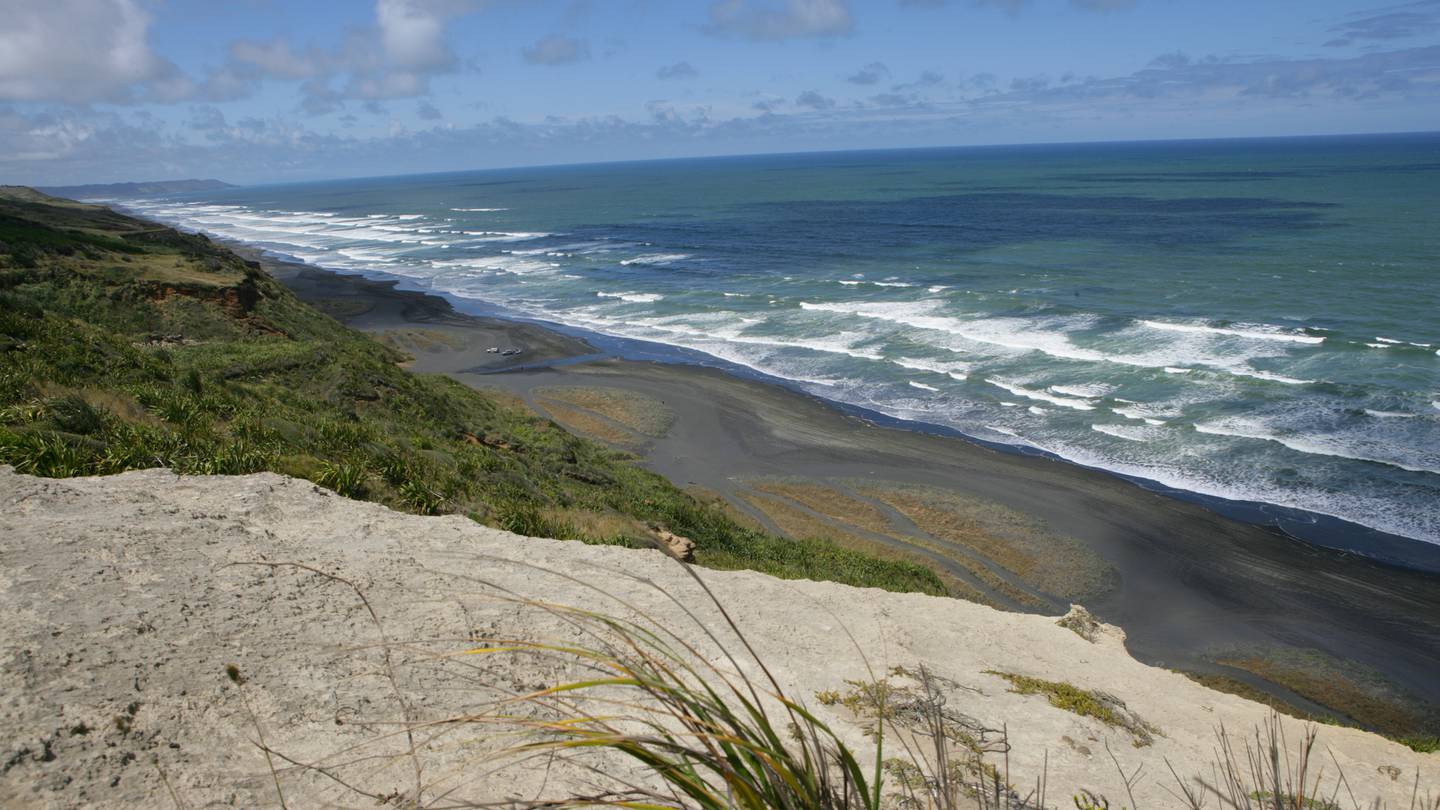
(123, 601)
(681, 548)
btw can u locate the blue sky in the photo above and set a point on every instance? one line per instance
(276, 90)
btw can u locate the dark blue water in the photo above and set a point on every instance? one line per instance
(1256, 320)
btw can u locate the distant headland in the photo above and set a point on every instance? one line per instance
(141, 189)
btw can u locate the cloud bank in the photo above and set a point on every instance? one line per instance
(790, 19)
(81, 51)
(84, 95)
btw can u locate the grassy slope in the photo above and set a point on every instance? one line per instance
(126, 345)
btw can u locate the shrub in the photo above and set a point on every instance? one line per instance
(43, 453)
(421, 497)
(73, 414)
(345, 479)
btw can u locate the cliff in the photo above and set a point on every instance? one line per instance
(155, 632)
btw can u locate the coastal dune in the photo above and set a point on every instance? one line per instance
(163, 629)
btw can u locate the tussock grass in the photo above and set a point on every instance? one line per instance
(713, 737)
(678, 691)
(1263, 772)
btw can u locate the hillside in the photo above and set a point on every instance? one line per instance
(125, 601)
(126, 345)
(142, 189)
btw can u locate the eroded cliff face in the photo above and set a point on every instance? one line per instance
(154, 629)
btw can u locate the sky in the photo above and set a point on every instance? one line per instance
(257, 91)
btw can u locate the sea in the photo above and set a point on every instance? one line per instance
(1255, 322)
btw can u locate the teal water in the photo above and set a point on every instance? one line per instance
(1252, 320)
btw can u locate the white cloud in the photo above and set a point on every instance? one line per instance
(412, 33)
(780, 19)
(77, 51)
(40, 138)
(82, 51)
(393, 59)
(276, 58)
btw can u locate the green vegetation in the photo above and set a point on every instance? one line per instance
(945, 760)
(1421, 743)
(718, 740)
(125, 345)
(1105, 708)
(1352, 693)
(686, 698)
(1268, 798)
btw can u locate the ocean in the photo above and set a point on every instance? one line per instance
(1252, 320)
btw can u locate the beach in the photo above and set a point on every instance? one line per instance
(255, 553)
(1240, 322)
(1243, 607)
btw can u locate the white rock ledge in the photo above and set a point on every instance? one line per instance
(120, 609)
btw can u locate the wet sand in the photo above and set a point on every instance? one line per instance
(1192, 589)
(439, 338)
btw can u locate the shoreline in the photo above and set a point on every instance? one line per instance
(1311, 528)
(1193, 588)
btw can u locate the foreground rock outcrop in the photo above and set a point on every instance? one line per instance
(153, 629)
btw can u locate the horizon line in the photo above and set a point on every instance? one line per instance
(798, 153)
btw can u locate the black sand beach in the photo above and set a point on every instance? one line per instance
(1245, 607)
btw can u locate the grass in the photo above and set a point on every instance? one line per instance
(966, 532)
(1355, 693)
(680, 693)
(795, 522)
(1424, 744)
(1048, 560)
(586, 423)
(1103, 707)
(1263, 772)
(943, 753)
(830, 502)
(1333, 684)
(409, 340)
(125, 346)
(638, 412)
(714, 739)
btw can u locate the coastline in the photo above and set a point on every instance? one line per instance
(1308, 527)
(1194, 589)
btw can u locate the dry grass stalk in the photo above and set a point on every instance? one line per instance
(676, 701)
